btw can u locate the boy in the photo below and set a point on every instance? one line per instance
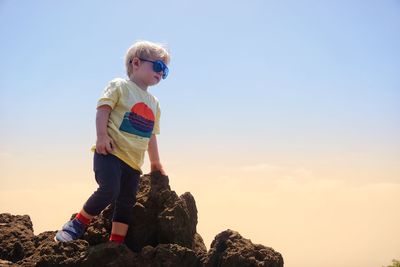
(127, 122)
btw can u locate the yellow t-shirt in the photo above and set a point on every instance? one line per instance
(135, 116)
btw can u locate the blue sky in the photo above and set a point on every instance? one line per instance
(290, 86)
(310, 66)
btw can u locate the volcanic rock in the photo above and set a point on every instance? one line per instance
(160, 217)
(230, 249)
(163, 233)
(16, 234)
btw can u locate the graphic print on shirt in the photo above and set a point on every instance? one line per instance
(140, 121)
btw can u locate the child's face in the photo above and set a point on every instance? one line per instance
(148, 71)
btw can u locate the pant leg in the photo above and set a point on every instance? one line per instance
(107, 169)
(127, 194)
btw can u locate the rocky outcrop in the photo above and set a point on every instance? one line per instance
(230, 249)
(162, 234)
(160, 217)
(16, 237)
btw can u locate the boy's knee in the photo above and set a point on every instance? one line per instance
(111, 193)
(114, 194)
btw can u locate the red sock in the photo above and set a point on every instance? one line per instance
(82, 219)
(117, 238)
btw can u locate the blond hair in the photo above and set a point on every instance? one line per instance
(145, 49)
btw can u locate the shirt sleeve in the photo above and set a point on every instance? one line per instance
(156, 129)
(110, 95)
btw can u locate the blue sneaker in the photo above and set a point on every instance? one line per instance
(72, 230)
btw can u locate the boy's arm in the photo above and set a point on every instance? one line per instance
(155, 164)
(104, 143)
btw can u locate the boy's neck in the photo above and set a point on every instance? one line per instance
(139, 84)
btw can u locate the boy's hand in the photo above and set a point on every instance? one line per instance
(104, 144)
(157, 166)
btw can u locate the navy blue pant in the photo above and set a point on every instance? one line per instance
(118, 183)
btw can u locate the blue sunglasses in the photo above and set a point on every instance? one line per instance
(158, 66)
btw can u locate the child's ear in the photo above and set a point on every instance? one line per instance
(135, 62)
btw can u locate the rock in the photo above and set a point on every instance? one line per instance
(100, 228)
(163, 233)
(51, 253)
(230, 249)
(6, 263)
(198, 246)
(16, 232)
(167, 255)
(160, 217)
(110, 254)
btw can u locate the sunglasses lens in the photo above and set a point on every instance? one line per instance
(165, 72)
(157, 66)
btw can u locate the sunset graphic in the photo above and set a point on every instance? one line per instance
(140, 121)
